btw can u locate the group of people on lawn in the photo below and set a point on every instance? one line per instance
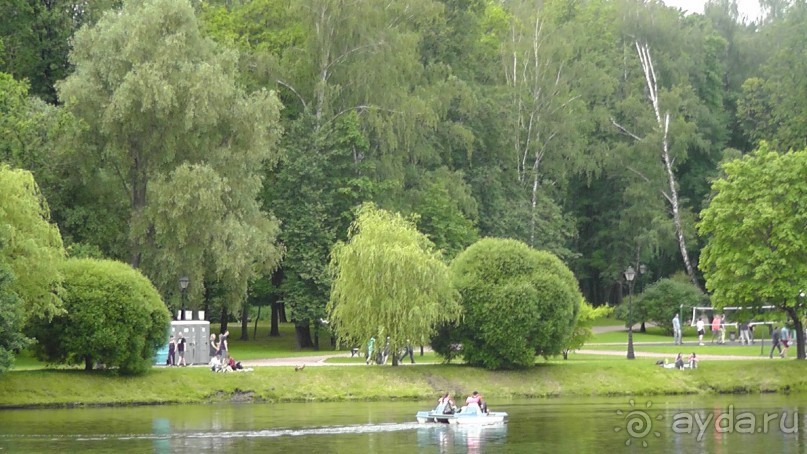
(780, 337)
(220, 359)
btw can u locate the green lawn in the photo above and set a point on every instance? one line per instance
(581, 375)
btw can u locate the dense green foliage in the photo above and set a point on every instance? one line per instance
(11, 322)
(662, 300)
(517, 302)
(183, 144)
(388, 281)
(155, 129)
(756, 236)
(115, 318)
(30, 246)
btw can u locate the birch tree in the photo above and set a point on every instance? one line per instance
(662, 122)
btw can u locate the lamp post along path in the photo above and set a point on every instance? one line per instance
(183, 285)
(630, 274)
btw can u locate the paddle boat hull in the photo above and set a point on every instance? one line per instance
(480, 419)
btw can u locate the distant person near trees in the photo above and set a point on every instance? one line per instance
(784, 340)
(745, 334)
(214, 347)
(677, 338)
(181, 343)
(700, 327)
(223, 346)
(775, 338)
(172, 348)
(717, 331)
(370, 349)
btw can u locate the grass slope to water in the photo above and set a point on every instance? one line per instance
(580, 376)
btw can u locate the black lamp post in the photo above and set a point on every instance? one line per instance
(183, 285)
(629, 275)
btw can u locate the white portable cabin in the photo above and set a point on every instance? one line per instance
(197, 339)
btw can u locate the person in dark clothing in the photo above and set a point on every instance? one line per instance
(775, 337)
(181, 350)
(172, 346)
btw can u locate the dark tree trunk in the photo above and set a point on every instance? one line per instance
(642, 329)
(274, 331)
(275, 300)
(244, 322)
(421, 350)
(302, 331)
(207, 303)
(255, 329)
(316, 336)
(282, 311)
(799, 328)
(87, 362)
(224, 317)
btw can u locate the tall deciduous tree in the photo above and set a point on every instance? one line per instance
(756, 237)
(388, 281)
(187, 144)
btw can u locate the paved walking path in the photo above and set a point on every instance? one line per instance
(320, 360)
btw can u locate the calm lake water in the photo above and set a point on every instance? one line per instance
(769, 423)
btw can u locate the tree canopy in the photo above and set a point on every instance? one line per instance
(756, 237)
(187, 147)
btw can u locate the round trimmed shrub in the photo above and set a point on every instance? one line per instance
(114, 317)
(517, 301)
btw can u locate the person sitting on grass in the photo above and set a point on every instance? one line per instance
(679, 362)
(693, 361)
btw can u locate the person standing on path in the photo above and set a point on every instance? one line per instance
(677, 338)
(745, 334)
(181, 351)
(700, 327)
(213, 348)
(172, 346)
(370, 348)
(716, 328)
(223, 347)
(775, 336)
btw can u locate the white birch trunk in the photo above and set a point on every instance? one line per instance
(664, 126)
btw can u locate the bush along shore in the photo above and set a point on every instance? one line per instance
(581, 377)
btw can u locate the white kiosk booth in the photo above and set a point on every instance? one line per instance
(197, 339)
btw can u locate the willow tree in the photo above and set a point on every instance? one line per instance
(388, 280)
(30, 245)
(187, 144)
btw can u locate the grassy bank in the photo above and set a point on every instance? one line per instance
(580, 376)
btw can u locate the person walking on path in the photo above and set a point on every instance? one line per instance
(775, 337)
(677, 338)
(408, 350)
(784, 340)
(745, 334)
(700, 327)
